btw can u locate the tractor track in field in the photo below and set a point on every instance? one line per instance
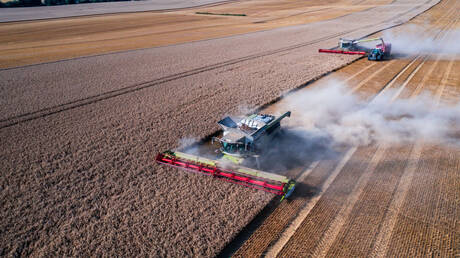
(18, 119)
(383, 237)
(407, 73)
(295, 224)
(330, 235)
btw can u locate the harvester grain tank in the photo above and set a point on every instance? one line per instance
(242, 140)
(246, 138)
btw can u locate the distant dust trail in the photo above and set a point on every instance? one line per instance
(414, 41)
(331, 112)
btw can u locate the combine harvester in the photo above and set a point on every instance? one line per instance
(353, 47)
(241, 141)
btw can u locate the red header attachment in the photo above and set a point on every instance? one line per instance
(223, 174)
(336, 51)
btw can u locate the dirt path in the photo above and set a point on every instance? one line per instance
(372, 213)
(23, 43)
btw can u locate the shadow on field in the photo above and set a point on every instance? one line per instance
(398, 55)
(294, 148)
(303, 190)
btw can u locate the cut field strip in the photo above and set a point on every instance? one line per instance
(272, 227)
(315, 225)
(429, 210)
(287, 234)
(273, 251)
(323, 251)
(384, 236)
(331, 234)
(370, 77)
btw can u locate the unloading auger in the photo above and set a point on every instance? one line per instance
(242, 139)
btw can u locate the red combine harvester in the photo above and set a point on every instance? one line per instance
(352, 47)
(242, 140)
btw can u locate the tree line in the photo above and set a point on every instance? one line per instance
(25, 3)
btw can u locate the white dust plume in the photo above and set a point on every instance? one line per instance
(332, 112)
(186, 142)
(419, 40)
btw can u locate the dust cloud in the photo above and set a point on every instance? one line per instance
(415, 41)
(329, 117)
(332, 112)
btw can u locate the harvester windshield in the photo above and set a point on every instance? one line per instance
(346, 44)
(233, 148)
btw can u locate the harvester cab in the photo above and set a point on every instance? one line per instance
(347, 44)
(380, 52)
(242, 139)
(245, 138)
(376, 54)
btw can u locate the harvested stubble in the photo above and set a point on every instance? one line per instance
(272, 227)
(310, 232)
(429, 213)
(426, 223)
(364, 222)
